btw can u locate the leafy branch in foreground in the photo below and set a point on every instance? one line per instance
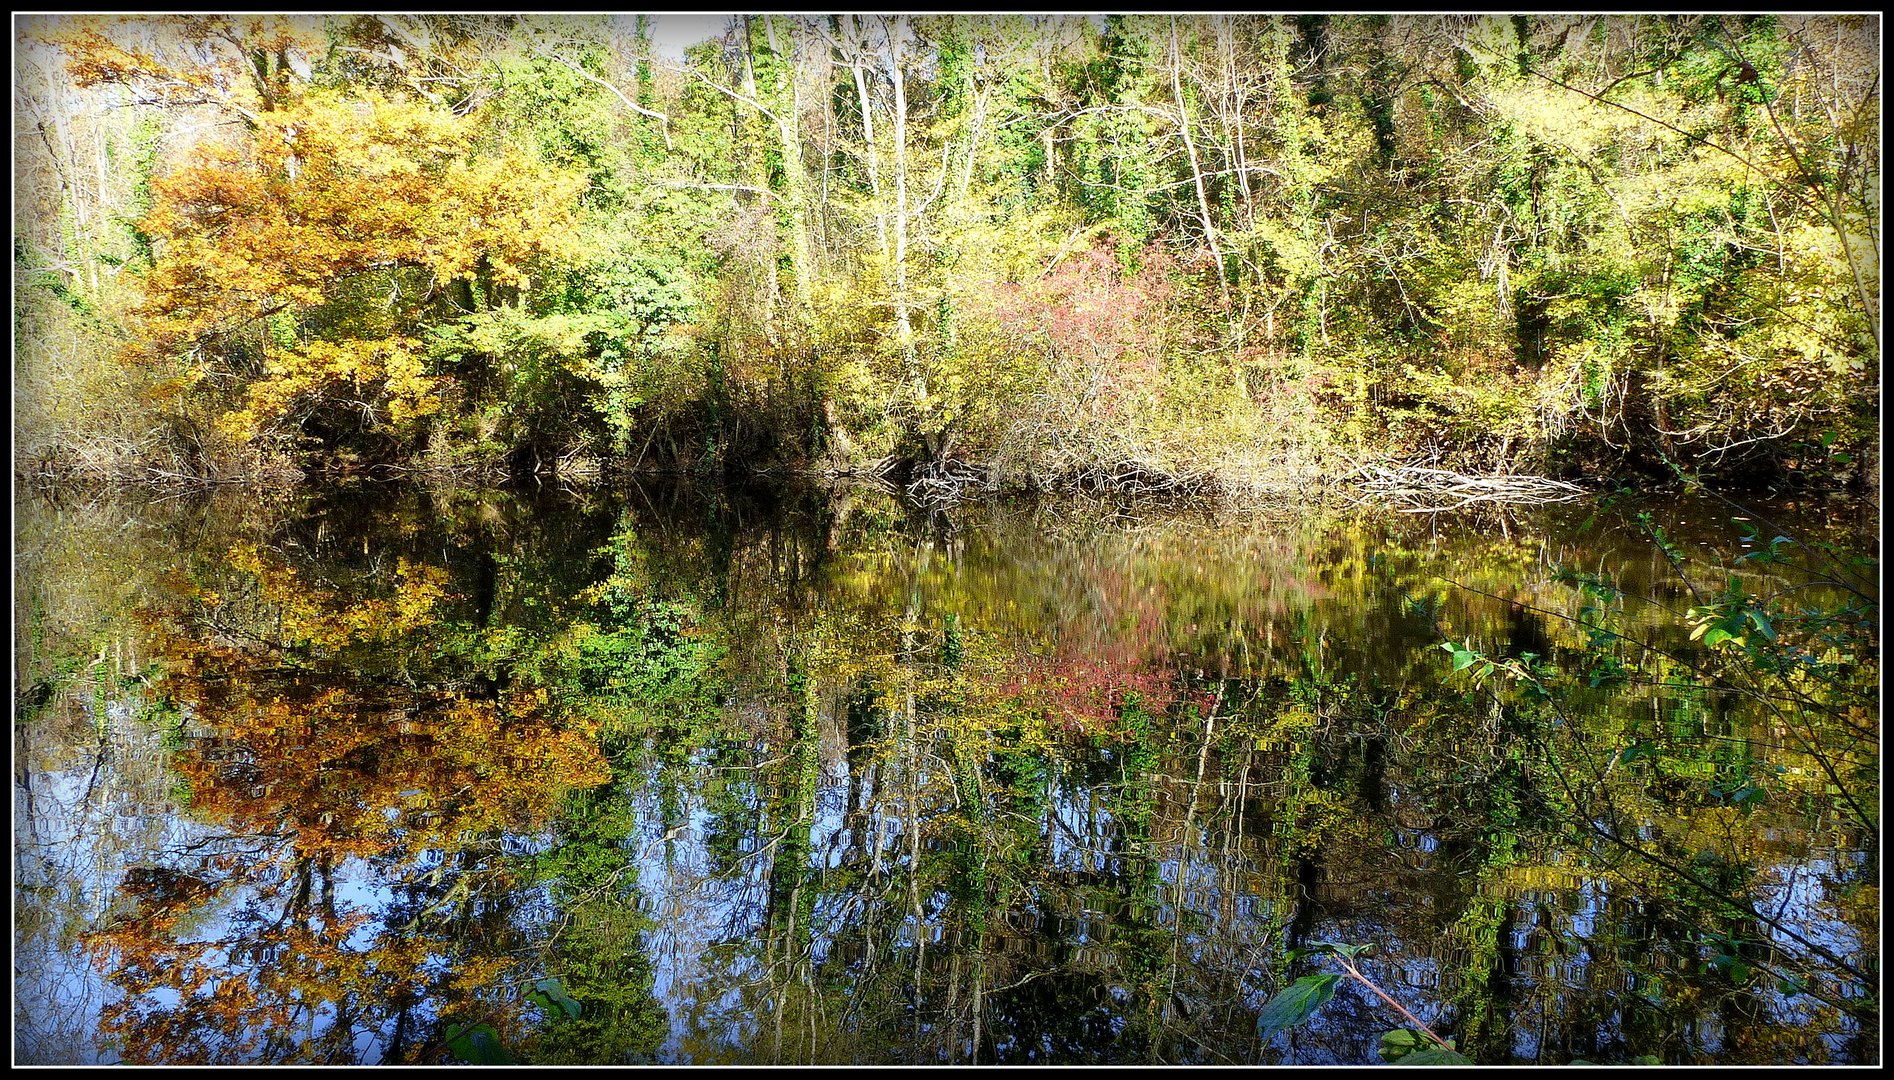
(1295, 1005)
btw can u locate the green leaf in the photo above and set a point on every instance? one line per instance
(549, 994)
(478, 1045)
(1399, 1043)
(1435, 1055)
(1762, 624)
(1296, 1004)
(1716, 637)
(1344, 949)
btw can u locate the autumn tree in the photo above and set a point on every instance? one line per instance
(297, 264)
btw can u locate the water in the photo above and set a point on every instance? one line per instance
(758, 776)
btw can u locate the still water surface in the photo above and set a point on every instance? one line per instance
(822, 777)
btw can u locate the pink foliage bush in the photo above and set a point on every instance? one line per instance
(1102, 332)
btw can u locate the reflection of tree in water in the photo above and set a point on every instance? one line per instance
(849, 786)
(1353, 747)
(597, 946)
(326, 745)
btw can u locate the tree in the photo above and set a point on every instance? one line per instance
(296, 262)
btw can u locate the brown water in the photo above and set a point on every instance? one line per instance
(348, 776)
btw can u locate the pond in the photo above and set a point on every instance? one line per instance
(663, 773)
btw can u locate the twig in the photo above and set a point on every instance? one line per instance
(1398, 1007)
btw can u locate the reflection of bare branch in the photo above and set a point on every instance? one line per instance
(1425, 490)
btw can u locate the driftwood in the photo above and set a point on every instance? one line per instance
(1430, 490)
(947, 483)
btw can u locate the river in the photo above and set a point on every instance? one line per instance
(672, 773)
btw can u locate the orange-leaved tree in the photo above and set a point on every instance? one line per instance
(299, 259)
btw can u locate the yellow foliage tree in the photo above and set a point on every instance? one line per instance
(323, 191)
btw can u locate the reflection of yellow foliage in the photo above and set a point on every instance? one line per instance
(392, 779)
(220, 1016)
(183, 1003)
(352, 767)
(1540, 878)
(326, 762)
(1323, 817)
(1288, 729)
(322, 621)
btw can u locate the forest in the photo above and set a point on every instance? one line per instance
(1232, 254)
(930, 539)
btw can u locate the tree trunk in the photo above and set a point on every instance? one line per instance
(793, 195)
(1196, 170)
(903, 331)
(870, 158)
